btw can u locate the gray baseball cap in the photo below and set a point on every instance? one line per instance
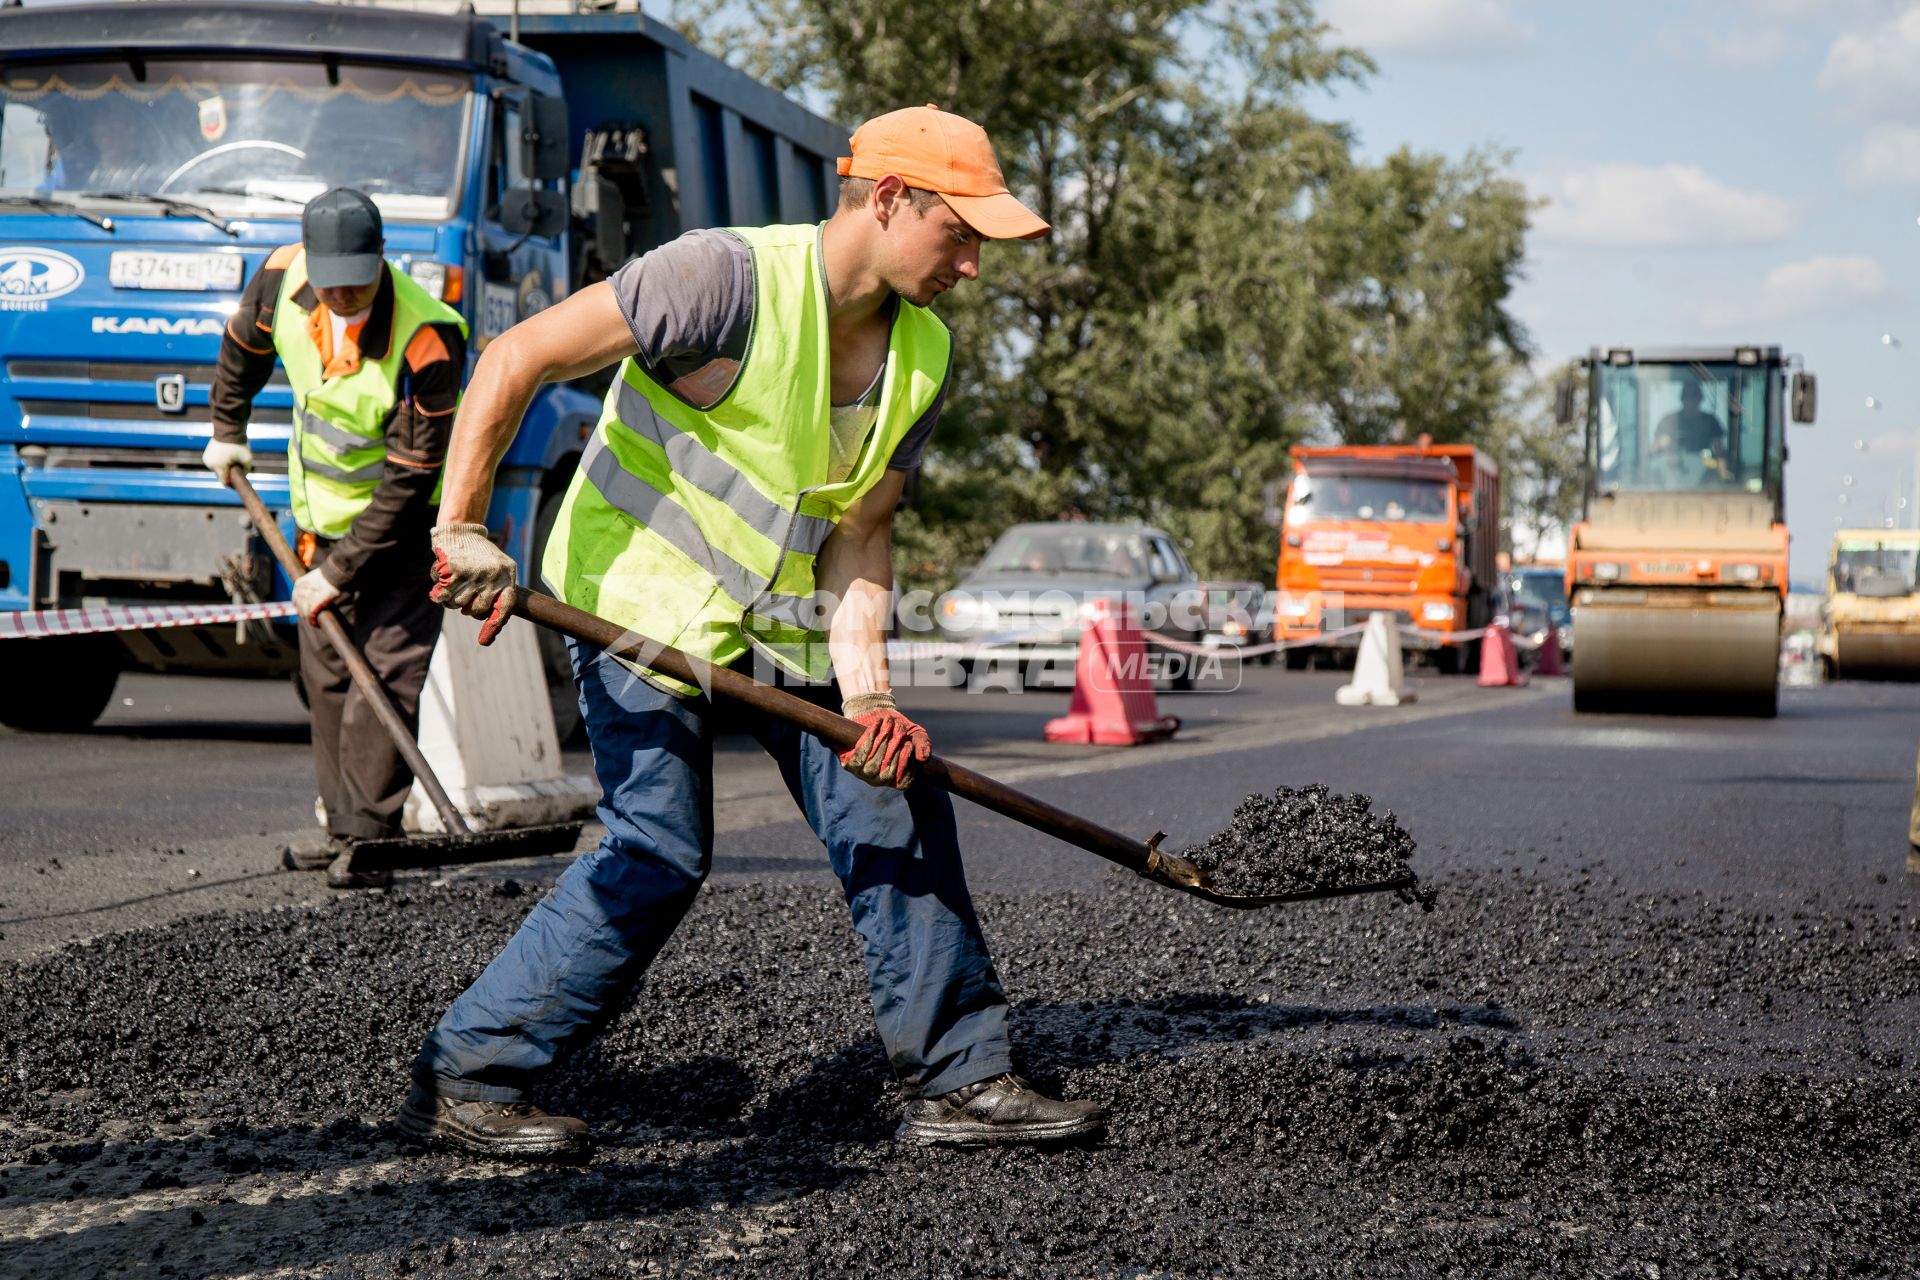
(343, 238)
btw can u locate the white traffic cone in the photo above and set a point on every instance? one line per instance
(486, 727)
(1377, 678)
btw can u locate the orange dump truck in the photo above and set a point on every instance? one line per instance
(1411, 530)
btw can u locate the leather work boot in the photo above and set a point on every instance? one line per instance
(342, 874)
(312, 852)
(1003, 1109)
(504, 1130)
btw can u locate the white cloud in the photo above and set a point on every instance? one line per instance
(1888, 156)
(1656, 207)
(1872, 70)
(1430, 28)
(1797, 289)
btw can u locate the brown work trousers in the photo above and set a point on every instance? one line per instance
(363, 778)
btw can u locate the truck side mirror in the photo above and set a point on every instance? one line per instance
(533, 211)
(1563, 402)
(543, 138)
(1803, 397)
(597, 202)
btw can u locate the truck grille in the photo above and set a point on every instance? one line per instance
(197, 375)
(1384, 581)
(71, 457)
(135, 411)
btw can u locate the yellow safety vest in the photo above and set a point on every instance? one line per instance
(699, 528)
(339, 447)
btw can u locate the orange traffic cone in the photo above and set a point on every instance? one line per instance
(1550, 662)
(1499, 660)
(1113, 702)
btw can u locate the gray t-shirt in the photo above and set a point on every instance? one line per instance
(690, 306)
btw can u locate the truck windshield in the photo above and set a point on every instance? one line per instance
(1332, 495)
(236, 137)
(1666, 427)
(1874, 568)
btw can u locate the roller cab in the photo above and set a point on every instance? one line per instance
(1677, 571)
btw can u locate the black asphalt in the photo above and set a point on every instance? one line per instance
(1662, 1022)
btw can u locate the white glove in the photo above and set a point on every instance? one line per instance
(220, 456)
(312, 593)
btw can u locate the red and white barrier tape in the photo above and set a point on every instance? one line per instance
(139, 617)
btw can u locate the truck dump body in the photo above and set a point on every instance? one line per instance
(1411, 530)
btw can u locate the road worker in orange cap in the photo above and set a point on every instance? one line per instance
(775, 387)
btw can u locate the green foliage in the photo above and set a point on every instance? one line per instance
(1224, 278)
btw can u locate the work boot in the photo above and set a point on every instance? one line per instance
(342, 874)
(1003, 1109)
(309, 853)
(505, 1130)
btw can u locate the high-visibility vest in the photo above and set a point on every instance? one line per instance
(339, 447)
(699, 528)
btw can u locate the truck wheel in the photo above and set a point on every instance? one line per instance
(1299, 659)
(562, 694)
(61, 684)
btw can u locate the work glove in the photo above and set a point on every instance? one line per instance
(312, 593)
(221, 455)
(891, 751)
(472, 575)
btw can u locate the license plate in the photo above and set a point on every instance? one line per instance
(134, 269)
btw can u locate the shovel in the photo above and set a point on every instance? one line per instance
(460, 844)
(1146, 858)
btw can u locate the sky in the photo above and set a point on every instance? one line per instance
(1712, 172)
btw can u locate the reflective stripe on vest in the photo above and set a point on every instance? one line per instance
(338, 451)
(699, 528)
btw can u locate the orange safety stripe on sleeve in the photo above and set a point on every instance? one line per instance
(399, 461)
(280, 258)
(258, 351)
(426, 348)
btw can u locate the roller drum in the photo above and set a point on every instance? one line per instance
(1881, 649)
(1666, 657)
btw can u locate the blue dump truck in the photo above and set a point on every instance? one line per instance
(152, 156)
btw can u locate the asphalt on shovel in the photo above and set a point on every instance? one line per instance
(460, 844)
(1143, 857)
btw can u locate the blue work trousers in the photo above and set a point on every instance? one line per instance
(576, 959)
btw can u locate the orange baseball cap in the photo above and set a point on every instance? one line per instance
(938, 151)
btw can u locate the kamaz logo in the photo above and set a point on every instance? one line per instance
(159, 325)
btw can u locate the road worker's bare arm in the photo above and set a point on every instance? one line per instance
(579, 336)
(855, 578)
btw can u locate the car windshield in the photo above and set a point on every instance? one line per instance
(1874, 568)
(1549, 585)
(1333, 495)
(236, 137)
(1068, 550)
(1667, 427)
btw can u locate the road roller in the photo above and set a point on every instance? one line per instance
(1677, 569)
(1870, 624)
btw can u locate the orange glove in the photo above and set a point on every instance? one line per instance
(891, 751)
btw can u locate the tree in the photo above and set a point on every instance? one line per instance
(1224, 278)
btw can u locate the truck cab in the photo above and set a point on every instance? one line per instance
(153, 156)
(1409, 530)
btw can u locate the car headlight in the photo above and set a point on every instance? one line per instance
(1606, 571)
(437, 278)
(1436, 611)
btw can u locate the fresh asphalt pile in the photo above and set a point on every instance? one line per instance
(1551, 1075)
(1305, 838)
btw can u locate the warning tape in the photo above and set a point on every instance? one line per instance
(137, 617)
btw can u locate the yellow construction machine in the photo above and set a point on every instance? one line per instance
(1870, 624)
(1677, 570)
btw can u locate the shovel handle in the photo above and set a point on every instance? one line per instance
(841, 733)
(363, 675)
